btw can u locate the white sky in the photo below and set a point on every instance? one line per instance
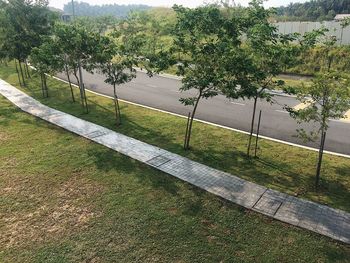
(168, 3)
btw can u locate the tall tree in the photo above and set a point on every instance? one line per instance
(47, 60)
(78, 46)
(259, 59)
(197, 37)
(115, 63)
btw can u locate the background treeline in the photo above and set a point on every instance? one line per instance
(314, 10)
(85, 9)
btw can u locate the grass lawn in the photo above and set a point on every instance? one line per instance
(66, 199)
(281, 167)
(296, 83)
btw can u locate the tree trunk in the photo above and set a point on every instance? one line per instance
(77, 79)
(82, 88)
(116, 107)
(25, 71)
(42, 85)
(46, 88)
(18, 75)
(27, 68)
(187, 145)
(252, 127)
(85, 100)
(70, 83)
(21, 70)
(320, 156)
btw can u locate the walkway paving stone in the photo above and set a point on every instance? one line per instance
(321, 219)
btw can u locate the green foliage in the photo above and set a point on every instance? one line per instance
(23, 25)
(197, 36)
(78, 44)
(266, 54)
(148, 35)
(47, 57)
(328, 97)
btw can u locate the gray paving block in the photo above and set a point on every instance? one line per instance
(158, 161)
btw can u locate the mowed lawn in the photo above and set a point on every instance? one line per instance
(66, 199)
(281, 167)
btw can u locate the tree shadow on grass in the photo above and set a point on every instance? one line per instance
(107, 160)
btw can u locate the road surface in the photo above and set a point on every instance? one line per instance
(163, 93)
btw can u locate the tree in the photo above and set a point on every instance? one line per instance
(258, 60)
(118, 70)
(23, 24)
(79, 47)
(47, 60)
(197, 37)
(328, 98)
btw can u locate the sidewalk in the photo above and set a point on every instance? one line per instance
(321, 219)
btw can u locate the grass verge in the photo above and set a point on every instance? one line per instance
(281, 167)
(66, 199)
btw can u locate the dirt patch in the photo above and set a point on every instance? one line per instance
(4, 136)
(57, 212)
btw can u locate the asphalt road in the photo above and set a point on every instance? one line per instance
(163, 93)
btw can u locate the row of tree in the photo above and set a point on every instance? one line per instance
(216, 50)
(314, 10)
(85, 9)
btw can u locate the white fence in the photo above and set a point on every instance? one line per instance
(335, 29)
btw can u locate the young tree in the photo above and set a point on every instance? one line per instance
(197, 37)
(262, 55)
(47, 60)
(79, 47)
(328, 98)
(118, 70)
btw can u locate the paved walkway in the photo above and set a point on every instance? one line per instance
(305, 214)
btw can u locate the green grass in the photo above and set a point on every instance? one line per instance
(296, 83)
(281, 167)
(66, 199)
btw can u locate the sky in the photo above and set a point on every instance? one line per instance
(168, 3)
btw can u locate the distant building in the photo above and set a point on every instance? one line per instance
(341, 17)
